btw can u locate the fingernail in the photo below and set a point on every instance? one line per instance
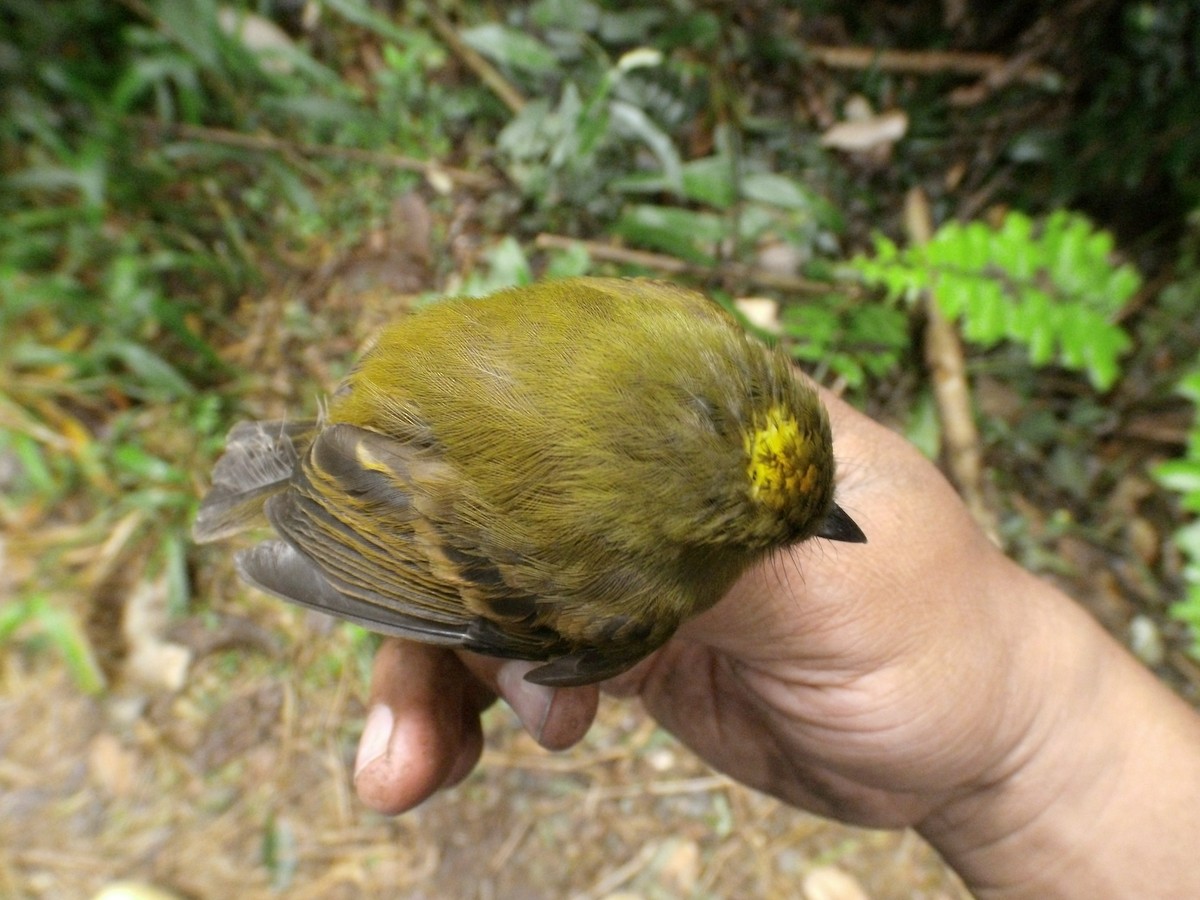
(376, 734)
(531, 702)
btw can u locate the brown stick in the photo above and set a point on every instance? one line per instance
(671, 265)
(996, 79)
(484, 70)
(951, 388)
(926, 62)
(268, 143)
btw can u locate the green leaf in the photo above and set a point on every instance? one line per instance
(1187, 539)
(1043, 327)
(1182, 475)
(952, 294)
(193, 23)
(1122, 285)
(142, 467)
(688, 234)
(569, 263)
(630, 26)
(633, 122)
(987, 311)
(507, 266)
(1101, 352)
(924, 426)
(64, 634)
(512, 48)
(1051, 288)
(577, 15)
(34, 472)
(777, 190)
(1190, 385)
(358, 12)
(151, 369)
(812, 327)
(710, 180)
(848, 369)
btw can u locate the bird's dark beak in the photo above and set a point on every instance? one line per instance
(840, 527)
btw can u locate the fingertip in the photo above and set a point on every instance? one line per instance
(556, 718)
(531, 702)
(413, 764)
(569, 717)
(469, 751)
(422, 731)
(376, 736)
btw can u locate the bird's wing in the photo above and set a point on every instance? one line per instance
(258, 463)
(419, 571)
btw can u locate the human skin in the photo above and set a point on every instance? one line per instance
(922, 679)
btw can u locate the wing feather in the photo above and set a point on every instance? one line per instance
(278, 568)
(258, 463)
(422, 570)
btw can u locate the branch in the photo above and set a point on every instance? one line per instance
(951, 389)
(433, 171)
(671, 265)
(473, 60)
(928, 62)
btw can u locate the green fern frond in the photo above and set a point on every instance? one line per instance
(1051, 286)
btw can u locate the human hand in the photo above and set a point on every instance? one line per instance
(836, 677)
(920, 679)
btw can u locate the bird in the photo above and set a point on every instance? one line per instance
(561, 472)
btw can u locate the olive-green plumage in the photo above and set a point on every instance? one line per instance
(561, 472)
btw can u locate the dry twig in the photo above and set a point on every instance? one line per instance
(952, 391)
(613, 879)
(1036, 42)
(267, 143)
(672, 265)
(487, 73)
(928, 62)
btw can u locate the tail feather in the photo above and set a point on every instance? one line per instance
(259, 460)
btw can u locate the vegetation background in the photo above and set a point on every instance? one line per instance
(207, 209)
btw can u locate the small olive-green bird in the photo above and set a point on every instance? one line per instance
(563, 472)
